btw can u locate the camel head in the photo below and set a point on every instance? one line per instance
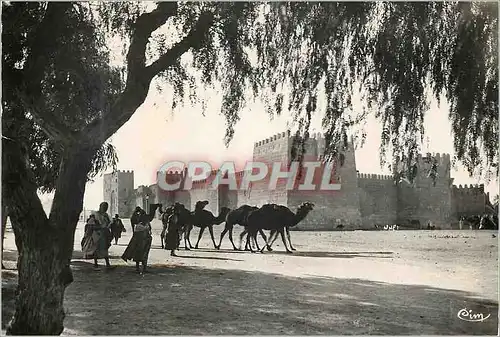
(306, 207)
(200, 205)
(178, 207)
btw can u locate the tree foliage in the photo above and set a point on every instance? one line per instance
(72, 89)
(311, 57)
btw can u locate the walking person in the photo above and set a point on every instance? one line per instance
(134, 219)
(174, 229)
(97, 239)
(140, 244)
(117, 228)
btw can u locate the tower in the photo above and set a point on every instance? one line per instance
(428, 199)
(118, 192)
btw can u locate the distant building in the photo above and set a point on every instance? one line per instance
(119, 192)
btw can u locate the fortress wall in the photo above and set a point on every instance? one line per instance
(332, 207)
(199, 194)
(228, 198)
(213, 199)
(242, 198)
(425, 201)
(468, 200)
(183, 197)
(363, 199)
(378, 199)
(324, 216)
(271, 150)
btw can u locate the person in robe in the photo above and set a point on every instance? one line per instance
(88, 226)
(174, 229)
(97, 238)
(117, 228)
(140, 244)
(134, 219)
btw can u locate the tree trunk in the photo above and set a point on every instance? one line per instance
(44, 273)
(45, 245)
(4, 226)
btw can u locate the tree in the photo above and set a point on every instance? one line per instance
(284, 52)
(44, 157)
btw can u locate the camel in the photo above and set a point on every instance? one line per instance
(275, 218)
(473, 221)
(306, 208)
(186, 218)
(205, 219)
(237, 216)
(487, 223)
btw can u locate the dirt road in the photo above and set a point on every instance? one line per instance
(400, 282)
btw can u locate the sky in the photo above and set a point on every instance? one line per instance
(155, 135)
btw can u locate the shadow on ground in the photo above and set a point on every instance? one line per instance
(341, 255)
(175, 300)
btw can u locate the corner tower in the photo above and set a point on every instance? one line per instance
(118, 192)
(427, 200)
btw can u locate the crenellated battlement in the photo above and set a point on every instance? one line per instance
(123, 171)
(470, 189)
(204, 182)
(174, 173)
(441, 158)
(278, 136)
(375, 176)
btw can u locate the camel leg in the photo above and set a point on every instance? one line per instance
(241, 238)
(190, 228)
(202, 229)
(222, 236)
(211, 231)
(251, 241)
(287, 230)
(248, 245)
(186, 238)
(269, 249)
(272, 237)
(251, 236)
(265, 239)
(282, 232)
(256, 241)
(231, 238)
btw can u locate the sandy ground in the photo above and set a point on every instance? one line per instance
(384, 282)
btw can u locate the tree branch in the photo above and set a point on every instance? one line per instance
(42, 47)
(47, 121)
(139, 76)
(145, 25)
(194, 39)
(19, 190)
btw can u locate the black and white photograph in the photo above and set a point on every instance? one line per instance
(250, 168)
